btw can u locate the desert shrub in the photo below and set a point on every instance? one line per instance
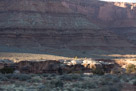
(58, 83)
(108, 76)
(45, 89)
(71, 77)
(8, 76)
(54, 83)
(134, 83)
(45, 75)
(48, 78)
(21, 77)
(35, 79)
(66, 77)
(24, 77)
(85, 85)
(42, 88)
(75, 89)
(52, 75)
(124, 77)
(6, 70)
(113, 78)
(1, 89)
(109, 79)
(116, 70)
(3, 78)
(33, 75)
(109, 88)
(105, 82)
(98, 71)
(131, 68)
(76, 76)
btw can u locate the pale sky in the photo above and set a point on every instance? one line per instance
(134, 1)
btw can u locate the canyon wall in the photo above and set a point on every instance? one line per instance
(106, 14)
(73, 24)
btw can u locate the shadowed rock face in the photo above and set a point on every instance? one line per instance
(54, 66)
(86, 39)
(74, 24)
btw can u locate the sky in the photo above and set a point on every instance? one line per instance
(134, 1)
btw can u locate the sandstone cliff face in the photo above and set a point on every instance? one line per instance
(39, 14)
(110, 14)
(82, 40)
(33, 5)
(126, 33)
(64, 24)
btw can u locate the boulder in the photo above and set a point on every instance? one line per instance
(90, 63)
(74, 62)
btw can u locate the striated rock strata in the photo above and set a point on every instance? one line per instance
(68, 24)
(106, 14)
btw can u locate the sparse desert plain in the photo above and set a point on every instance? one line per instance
(67, 45)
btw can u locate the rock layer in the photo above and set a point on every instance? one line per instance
(73, 39)
(64, 24)
(53, 66)
(107, 14)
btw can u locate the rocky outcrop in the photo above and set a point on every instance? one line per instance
(68, 66)
(38, 67)
(59, 67)
(49, 66)
(107, 14)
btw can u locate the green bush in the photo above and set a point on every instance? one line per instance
(54, 83)
(71, 77)
(36, 79)
(134, 83)
(85, 85)
(131, 68)
(98, 71)
(45, 75)
(6, 70)
(21, 77)
(109, 88)
(8, 75)
(3, 78)
(113, 78)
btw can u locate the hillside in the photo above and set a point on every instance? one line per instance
(67, 45)
(82, 27)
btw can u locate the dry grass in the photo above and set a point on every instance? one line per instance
(29, 56)
(120, 59)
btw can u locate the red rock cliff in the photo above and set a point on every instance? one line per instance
(110, 14)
